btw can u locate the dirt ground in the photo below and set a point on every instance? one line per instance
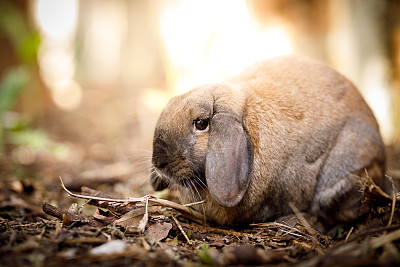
(41, 225)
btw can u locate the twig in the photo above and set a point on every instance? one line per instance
(194, 203)
(348, 234)
(384, 239)
(180, 228)
(371, 244)
(373, 231)
(118, 210)
(126, 200)
(60, 214)
(307, 226)
(374, 190)
(393, 200)
(186, 211)
(301, 218)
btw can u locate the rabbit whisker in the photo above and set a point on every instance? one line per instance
(199, 195)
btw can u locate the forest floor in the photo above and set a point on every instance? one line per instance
(41, 225)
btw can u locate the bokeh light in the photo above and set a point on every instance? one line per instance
(158, 49)
(57, 21)
(208, 48)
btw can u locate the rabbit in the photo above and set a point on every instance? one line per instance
(288, 130)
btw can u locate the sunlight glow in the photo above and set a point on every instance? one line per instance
(68, 90)
(215, 41)
(103, 42)
(57, 20)
(376, 90)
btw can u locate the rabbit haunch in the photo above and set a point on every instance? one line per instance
(288, 129)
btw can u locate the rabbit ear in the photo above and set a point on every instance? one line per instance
(229, 160)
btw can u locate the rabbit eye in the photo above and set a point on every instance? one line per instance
(201, 125)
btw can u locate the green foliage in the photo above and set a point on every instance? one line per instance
(37, 140)
(340, 232)
(189, 234)
(12, 85)
(34, 139)
(14, 26)
(25, 42)
(204, 256)
(6, 215)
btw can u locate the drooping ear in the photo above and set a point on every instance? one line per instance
(229, 160)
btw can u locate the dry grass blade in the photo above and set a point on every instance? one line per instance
(282, 227)
(393, 200)
(285, 228)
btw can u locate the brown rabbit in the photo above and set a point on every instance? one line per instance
(286, 130)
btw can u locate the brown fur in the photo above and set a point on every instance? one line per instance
(312, 135)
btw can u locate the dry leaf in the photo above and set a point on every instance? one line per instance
(133, 217)
(130, 220)
(104, 216)
(218, 243)
(159, 231)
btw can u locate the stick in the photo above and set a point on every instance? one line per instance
(183, 232)
(60, 214)
(188, 212)
(301, 218)
(349, 233)
(393, 201)
(194, 203)
(126, 200)
(308, 227)
(116, 209)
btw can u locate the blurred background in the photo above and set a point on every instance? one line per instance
(82, 82)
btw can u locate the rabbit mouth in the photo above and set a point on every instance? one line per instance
(185, 177)
(188, 179)
(195, 180)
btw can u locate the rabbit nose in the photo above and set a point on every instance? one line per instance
(160, 157)
(160, 164)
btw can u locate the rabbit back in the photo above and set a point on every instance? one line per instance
(314, 140)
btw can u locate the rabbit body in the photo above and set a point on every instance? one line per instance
(286, 130)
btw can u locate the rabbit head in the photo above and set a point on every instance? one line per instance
(199, 141)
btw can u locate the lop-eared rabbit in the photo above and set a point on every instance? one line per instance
(286, 130)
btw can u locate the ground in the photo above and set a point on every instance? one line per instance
(40, 226)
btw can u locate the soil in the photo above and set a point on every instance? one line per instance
(41, 225)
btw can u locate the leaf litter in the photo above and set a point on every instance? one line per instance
(148, 231)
